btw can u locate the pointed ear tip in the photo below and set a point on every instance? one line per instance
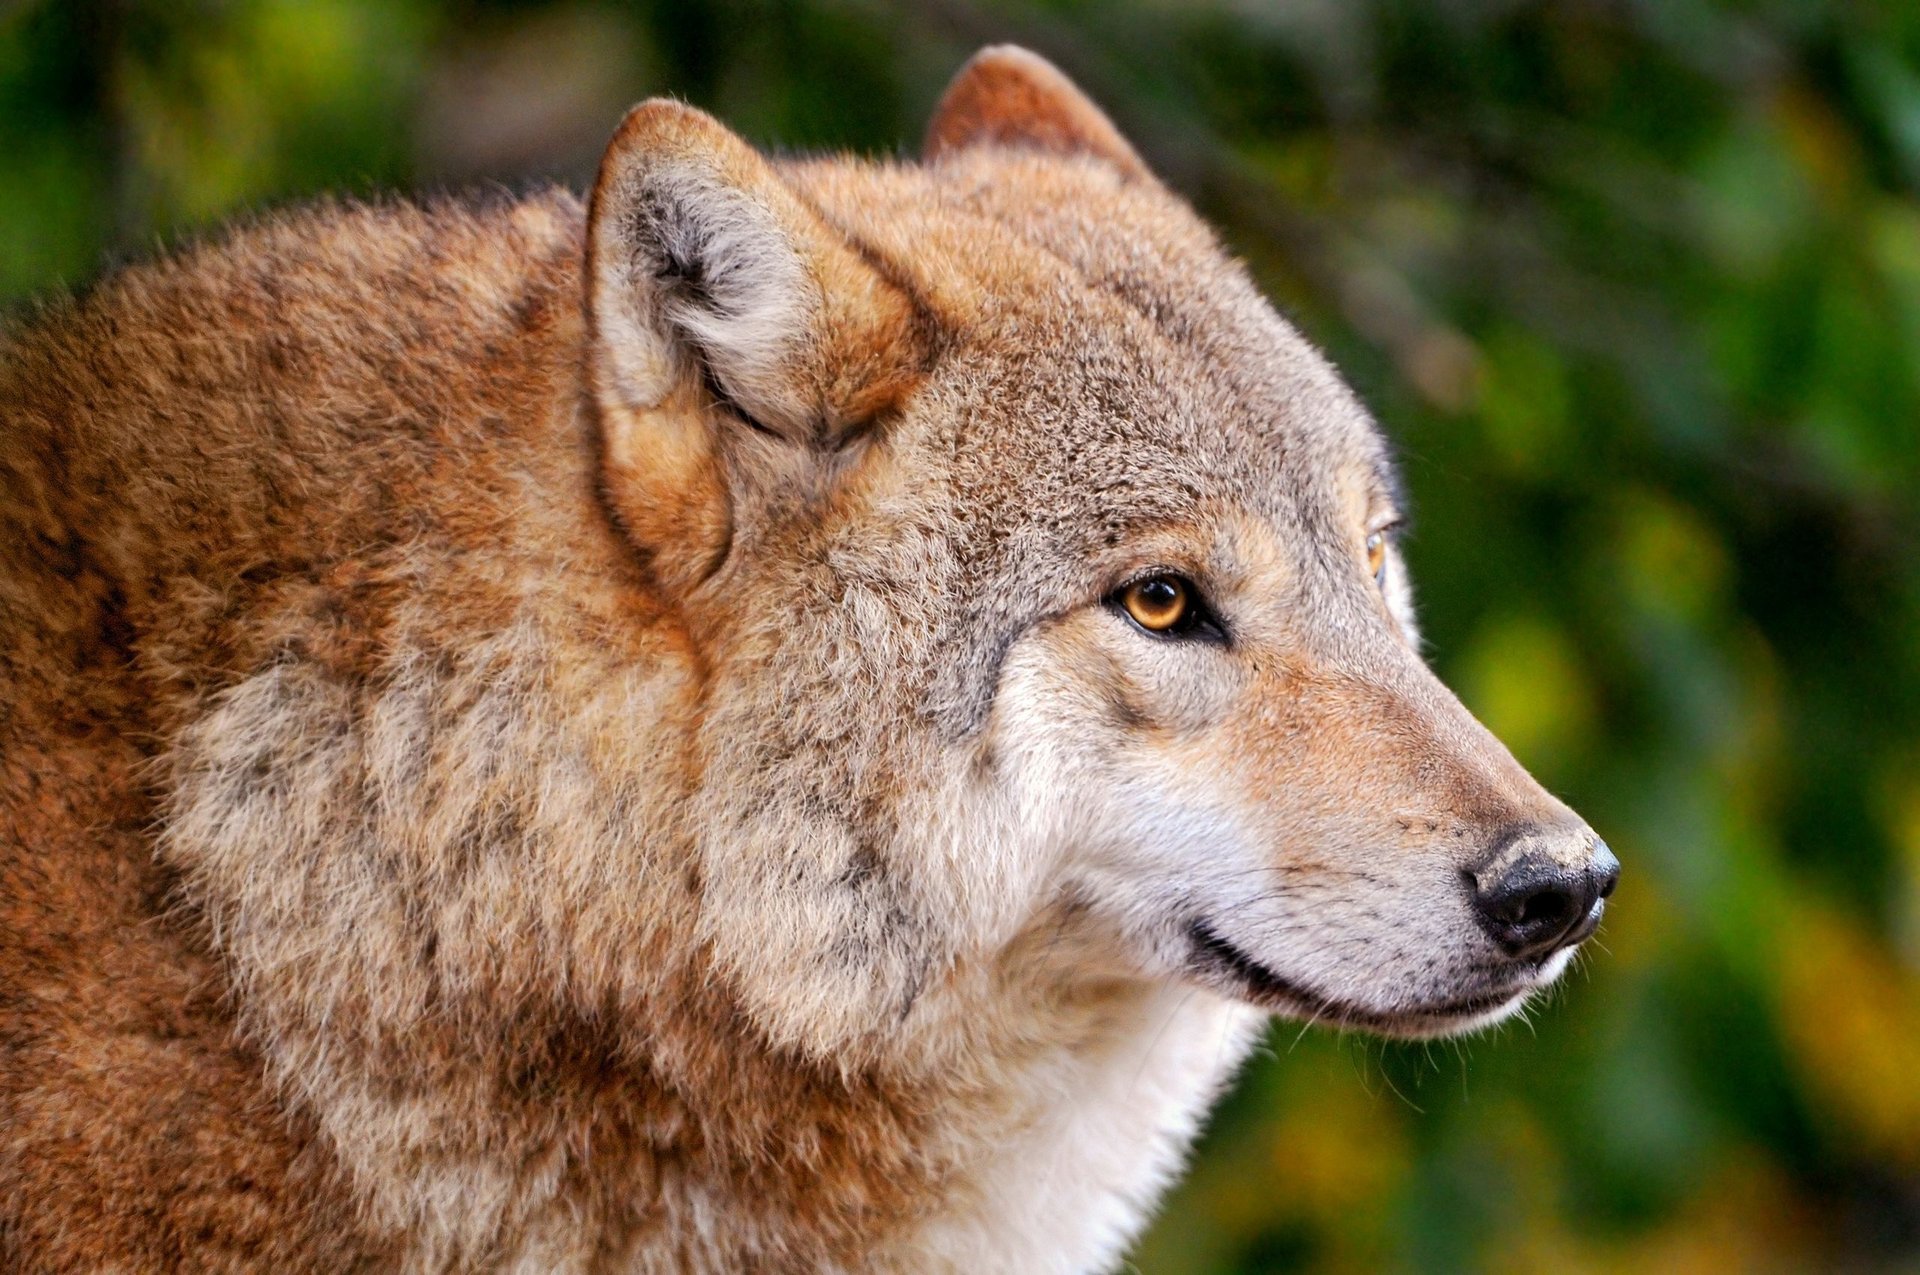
(1006, 92)
(1009, 55)
(666, 131)
(996, 67)
(658, 121)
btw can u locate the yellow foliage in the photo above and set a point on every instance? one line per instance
(1340, 1154)
(1525, 680)
(1851, 1015)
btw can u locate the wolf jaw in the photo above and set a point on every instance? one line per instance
(1219, 962)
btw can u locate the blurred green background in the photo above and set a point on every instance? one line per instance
(1636, 284)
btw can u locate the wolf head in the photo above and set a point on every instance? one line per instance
(1043, 576)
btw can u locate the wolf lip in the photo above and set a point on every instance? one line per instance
(1275, 992)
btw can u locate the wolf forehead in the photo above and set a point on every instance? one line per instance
(1099, 353)
(1103, 368)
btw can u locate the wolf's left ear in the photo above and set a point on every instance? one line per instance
(1008, 96)
(719, 303)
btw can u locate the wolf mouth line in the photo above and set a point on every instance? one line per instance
(1272, 991)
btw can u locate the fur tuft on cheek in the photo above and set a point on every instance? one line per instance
(853, 862)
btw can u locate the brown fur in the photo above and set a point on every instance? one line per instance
(503, 757)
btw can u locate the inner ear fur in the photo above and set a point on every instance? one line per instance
(1008, 96)
(715, 293)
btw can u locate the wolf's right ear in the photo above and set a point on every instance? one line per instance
(1009, 96)
(718, 302)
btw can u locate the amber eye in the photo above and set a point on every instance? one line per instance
(1377, 557)
(1157, 604)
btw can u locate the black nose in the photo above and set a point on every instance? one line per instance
(1537, 905)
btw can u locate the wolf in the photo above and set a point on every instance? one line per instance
(797, 715)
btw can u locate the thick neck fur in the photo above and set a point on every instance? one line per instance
(449, 792)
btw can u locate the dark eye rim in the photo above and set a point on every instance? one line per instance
(1200, 623)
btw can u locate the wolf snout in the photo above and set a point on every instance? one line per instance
(1546, 897)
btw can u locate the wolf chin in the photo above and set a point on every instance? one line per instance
(798, 715)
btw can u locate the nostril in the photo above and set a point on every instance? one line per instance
(1546, 908)
(1532, 908)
